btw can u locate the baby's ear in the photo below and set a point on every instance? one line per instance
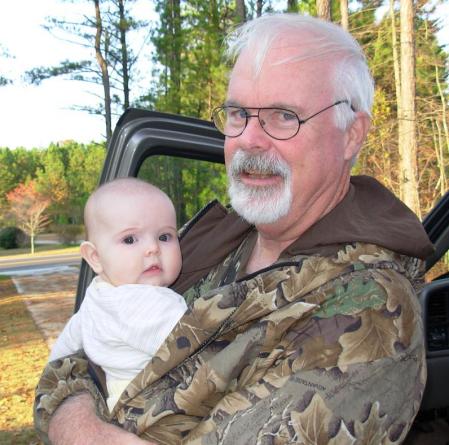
(90, 254)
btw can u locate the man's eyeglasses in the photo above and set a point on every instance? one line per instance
(278, 123)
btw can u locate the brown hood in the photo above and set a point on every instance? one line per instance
(369, 213)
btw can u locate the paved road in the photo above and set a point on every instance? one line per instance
(38, 264)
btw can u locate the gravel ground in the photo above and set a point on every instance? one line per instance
(50, 298)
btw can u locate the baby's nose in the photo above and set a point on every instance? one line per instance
(152, 248)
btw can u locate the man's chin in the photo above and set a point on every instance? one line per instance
(256, 213)
(260, 205)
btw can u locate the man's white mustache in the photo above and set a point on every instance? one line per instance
(257, 163)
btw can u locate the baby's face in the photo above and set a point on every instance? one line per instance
(136, 240)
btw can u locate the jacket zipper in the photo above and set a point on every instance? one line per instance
(228, 320)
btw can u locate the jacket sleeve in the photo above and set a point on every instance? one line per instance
(368, 404)
(352, 373)
(61, 379)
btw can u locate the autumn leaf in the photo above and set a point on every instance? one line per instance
(344, 437)
(316, 353)
(373, 340)
(312, 424)
(372, 430)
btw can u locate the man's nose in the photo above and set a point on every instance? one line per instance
(254, 136)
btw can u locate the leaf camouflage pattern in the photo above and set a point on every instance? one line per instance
(316, 349)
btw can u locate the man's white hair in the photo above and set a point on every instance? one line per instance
(316, 39)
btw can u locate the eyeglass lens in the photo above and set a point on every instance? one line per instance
(277, 122)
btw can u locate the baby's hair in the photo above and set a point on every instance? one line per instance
(128, 185)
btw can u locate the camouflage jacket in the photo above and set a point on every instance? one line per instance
(323, 347)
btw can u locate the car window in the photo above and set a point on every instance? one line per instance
(190, 183)
(440, 269)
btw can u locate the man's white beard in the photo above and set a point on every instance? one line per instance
(259, 204)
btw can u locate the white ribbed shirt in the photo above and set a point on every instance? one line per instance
(120, 328)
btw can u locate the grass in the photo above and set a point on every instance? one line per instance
(45, 249)
(23, 354)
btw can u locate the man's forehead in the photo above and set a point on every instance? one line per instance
(286, 56)
(291, 82)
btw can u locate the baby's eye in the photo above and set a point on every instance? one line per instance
(130, 239)
(165, 237)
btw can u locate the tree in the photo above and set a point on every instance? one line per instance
(28, 207)
(380, 156)
(192, 75)
(51, 179)
(112, 66)
(344, 14)
(16, 166)
(102, 43)
(407, 118)
(240, 11)
(4, 54)
(323, 8)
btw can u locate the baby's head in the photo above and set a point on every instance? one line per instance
(131, 234)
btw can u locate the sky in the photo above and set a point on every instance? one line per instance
(35, 116)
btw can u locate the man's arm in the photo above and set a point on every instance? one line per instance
(75, 423)
(69, 409)
(354, 368)
(354, 372)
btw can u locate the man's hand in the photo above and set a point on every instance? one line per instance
(75, 423)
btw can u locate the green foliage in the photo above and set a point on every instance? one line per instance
(379, 156)
(66, 173)
(116, 72)
(189, 46)
(68, 233)
(11, 238)
(190, 184)
(16, 167)
(4, 54)
(36, 75)
(190, 79)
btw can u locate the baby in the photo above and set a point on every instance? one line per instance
(127, 312)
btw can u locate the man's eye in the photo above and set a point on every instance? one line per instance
(131, 239)
(237, 113)
(285, 116)
(165, 237)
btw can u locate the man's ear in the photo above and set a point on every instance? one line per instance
(90, 254)
(356, 134)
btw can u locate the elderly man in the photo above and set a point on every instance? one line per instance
(303, 322)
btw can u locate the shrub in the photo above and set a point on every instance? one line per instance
(12, 238)
(68, 233)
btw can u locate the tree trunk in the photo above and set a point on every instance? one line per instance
(443, 107)
(240, 11)
(123, 28)
(174, 22)
(438, 144)
(292, 5)
(344, 14)
(407, 119)
(259, 6)
(323, 9)
(396, 69)
(102, 63)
